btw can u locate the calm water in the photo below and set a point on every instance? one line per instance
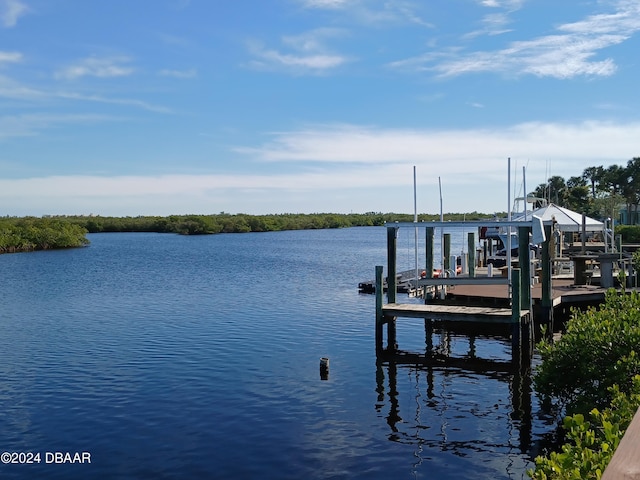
(167, 356)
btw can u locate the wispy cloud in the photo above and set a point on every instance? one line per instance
(10, 57)
(17, 91)
(347, 166)
(114, 101)
(327, 3)
(191, 73)
(12, 126)
(379, 13)
(103, 67)
(473, 150)
(306, 53)
(11, 11)
(508, 4)
(9, 88)
(568, 53)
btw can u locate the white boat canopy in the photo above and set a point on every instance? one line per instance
(567, 220)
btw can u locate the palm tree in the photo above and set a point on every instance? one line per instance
(594, 176)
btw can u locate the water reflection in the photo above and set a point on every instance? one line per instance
(469, 392)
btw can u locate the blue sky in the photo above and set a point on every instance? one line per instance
(159, 107)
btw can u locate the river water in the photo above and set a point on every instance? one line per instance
(166, 356)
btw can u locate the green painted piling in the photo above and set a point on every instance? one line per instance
(525, 267)
(546, 306)
(471, 248)
(379, 315)
(516, 312)
(429, 251)
(446, 250)
(392, 281)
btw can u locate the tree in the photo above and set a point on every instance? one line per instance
(594, 176)
(555, 190)
(598, 350)
(633, 187)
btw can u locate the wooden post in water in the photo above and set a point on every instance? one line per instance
(446, 252)
(392, 281)
(379, 315)
(428, 245)
(429, 251)
(471, 248)
(515, 307)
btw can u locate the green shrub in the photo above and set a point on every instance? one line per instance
(590, 445)
(630, 233)
(597, 351)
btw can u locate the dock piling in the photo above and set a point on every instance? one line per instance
(516, 313)
(379, 314)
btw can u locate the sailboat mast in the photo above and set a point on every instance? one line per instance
(415, 220)
(441, 229)
(508, 252)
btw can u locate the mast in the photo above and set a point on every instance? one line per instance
(441, 230)
(415, 220)
(508, 252)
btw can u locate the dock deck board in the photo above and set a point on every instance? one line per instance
(450, 312)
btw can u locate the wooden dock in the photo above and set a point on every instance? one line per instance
(510, 297)
(451, 312)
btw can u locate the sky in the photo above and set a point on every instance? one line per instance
(161, 107)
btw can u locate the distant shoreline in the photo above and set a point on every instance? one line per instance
(26, 234)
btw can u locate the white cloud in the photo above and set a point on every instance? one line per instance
(30, 124)
(566, 54)
(11, 11)
(10, 57)
(191, 73)
(9, 88)
(307, 53)
(344, 168)
(326, 3)
(472, 150)
(97, 67)
(114, 101)
(379, 13)
(508, 4)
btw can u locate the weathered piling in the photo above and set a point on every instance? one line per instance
(392, 283)
(429, 252)
(446, 252)
(379, 314)
(471, 249)
(516, 313)
(324, 368)
(545, 314)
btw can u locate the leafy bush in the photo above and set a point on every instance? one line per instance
(630, 233)
(597, 351)
(39, 234)
(592, 444)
